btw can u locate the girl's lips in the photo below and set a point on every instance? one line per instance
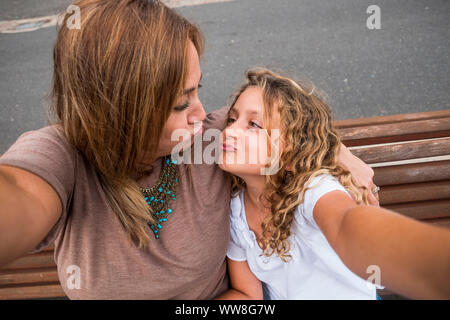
(227, 147)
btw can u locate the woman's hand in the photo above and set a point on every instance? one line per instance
(360, 171)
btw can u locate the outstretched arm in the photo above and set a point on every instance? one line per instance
(29, 208)
(413, 257)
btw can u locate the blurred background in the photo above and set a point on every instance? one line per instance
(401, 68)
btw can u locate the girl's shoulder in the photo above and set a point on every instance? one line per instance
(236, 206)
(318, 187)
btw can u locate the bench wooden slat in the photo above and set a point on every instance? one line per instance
(383, 133)
(415, 192)
(49, 248)
(423, 209)
(443, 222)
(397, 118)
(39, 260)
(384, 140)
(37, 275)
(412, 173)
(50, 290)
(411, 150)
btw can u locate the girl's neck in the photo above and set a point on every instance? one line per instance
(254, 189)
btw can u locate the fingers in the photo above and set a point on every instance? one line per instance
(374, 199)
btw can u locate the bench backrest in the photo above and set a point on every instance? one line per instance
(410, 155)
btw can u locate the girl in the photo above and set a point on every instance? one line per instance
(299, 230)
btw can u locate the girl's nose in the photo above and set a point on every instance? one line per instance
(233, 131)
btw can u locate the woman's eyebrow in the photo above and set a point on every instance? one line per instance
(187, 91)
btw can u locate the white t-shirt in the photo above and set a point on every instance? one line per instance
(315, 270)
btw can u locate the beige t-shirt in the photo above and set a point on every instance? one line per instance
(186, 262)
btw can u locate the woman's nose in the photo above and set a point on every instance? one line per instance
(198, 113)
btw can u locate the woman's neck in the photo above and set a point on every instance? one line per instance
(144, 169)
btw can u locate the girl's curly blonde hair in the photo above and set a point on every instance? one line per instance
(310, 148)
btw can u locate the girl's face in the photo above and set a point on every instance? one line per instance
(243, 145)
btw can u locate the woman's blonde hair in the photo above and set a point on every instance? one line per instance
(310, 148)
(115, 82)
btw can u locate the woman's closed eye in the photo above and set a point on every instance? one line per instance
(186, 104)
(182, 107)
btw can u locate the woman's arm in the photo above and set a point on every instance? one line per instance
(413, 257)
(29, 208)
(362, 173)
(244, 284)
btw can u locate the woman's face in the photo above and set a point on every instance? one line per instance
(188, 108)
(244, 149)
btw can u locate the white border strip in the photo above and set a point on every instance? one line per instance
(394, 143)
(400, 162)
(411, 161)
(26, 25)
(188, 3)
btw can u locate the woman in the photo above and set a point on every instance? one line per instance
(94, 181)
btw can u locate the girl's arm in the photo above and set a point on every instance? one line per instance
(244, 284)
(413, 257)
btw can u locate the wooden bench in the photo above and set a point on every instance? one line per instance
(33, 276)
(410, 154)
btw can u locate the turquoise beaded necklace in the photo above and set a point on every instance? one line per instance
(161, 194)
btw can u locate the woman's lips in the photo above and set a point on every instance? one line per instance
(227, 147)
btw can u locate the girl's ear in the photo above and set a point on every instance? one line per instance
(288, 167)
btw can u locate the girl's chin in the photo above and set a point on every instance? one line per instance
(239, 170)
(230, 168)
(224, 167)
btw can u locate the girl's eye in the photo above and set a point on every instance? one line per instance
(230, 120)
(182, 107)
(254, 125)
